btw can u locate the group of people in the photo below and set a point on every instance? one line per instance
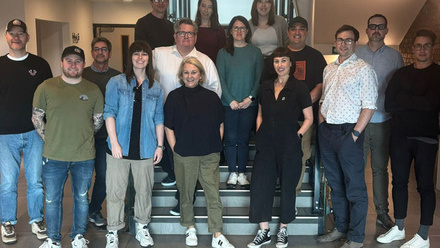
(189, 91)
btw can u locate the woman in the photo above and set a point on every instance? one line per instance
(239, 66)
(210, 36)
(269, 31)
(278, 144)
(133, 116)
(194, 130)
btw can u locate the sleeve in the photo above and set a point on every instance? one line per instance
(221, 111)
(212, 79)
(159, 115)
(392, 90)
(40, 97)
(48, 71)
(221, 39)
(99, 104)
(168, 109)
(111, 106)
(303, 95)
(320, 65)
(222, 67)
(139, 32)
(368, 83)
(258, 70)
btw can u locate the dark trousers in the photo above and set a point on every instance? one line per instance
(344, 169)
(403, 150)
(99, 189)
(269, 164)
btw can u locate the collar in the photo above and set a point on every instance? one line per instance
(350, 59)
(193, 52)
(93, 67)
(18, 59)
(290, 84)
(380, 50)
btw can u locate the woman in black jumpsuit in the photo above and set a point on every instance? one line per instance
(278, 144)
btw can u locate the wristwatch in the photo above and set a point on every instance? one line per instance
(252, 98)
(161, 147)
(356, 133)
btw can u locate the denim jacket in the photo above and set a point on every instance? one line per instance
(119, 98)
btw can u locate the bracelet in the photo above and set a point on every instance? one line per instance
(161, 147)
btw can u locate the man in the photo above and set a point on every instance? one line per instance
(99, 73)
(73, 109)
(166, 64)
(154, 28)
(385, 61)
(309, 67)
(20, 74)
(413, 99)
(346, 106)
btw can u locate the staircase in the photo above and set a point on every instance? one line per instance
(309, 221)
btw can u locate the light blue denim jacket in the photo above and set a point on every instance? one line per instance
(119, 98)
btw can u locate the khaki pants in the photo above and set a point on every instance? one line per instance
(206, 170)
(306, 146)
(117, 181)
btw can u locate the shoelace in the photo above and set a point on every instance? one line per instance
(282, 235)
(260, 236)
(9, 229)
(81, 241)
(111, 237)
(41, 226)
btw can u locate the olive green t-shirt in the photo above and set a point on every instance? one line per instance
(69, 132)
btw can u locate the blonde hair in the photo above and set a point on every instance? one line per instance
(195, 62)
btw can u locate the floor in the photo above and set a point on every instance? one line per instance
(96, 236)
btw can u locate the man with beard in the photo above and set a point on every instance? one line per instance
(385, 61)
(155, 28)
(73, 109)
(99, 73)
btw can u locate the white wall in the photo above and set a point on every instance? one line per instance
(10, 9)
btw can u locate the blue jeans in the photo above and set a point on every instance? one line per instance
(238, 124)
(11, 147)
(99, 189)
(343, 162)
(55, 175)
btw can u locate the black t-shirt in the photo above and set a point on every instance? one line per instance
(280, 117)
(18, 82)
(156, 32)
(195, 115)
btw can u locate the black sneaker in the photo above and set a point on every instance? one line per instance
(262, 238)
(167, 181)
(282, 238)
(176, 210)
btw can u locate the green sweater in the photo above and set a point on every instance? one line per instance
(239, 74)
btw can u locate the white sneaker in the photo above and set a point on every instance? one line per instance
(191, 237)
(143, 235)
(8, 233)
(242, 180)
(79, 242)
(221, 242)
(232, 180)
(112, 239)
(49, 243)
(416, 242)
(393, 234)
(39, 229)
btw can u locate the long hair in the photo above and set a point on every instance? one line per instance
(229, 46)
(140, 46)
(215, 24)
(254, 13)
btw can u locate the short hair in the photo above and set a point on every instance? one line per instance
(185, 21)
(285, 52)
(229, 47)
(140, 46)
(346, 27)
(102, 39)
(378, 15)
(426, 33)
(254, 13)
(195, 62)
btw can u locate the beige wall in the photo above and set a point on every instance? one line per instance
(119, 13)
(14, 10)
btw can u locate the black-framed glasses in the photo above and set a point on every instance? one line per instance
(347, 41)
(183, 34)
(163, 1)
(102, 49)
(374, 26)
(236, 29)
(419, 47)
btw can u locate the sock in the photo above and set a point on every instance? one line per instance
(399, 224)
(423, 231)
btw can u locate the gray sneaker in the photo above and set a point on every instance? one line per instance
(352, 244)
(39, 229)
(331, 236)
(385, 221)
(8, 233)
(97, 219)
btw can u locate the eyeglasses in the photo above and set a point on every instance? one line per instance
(183, 34)
(242, 29)
(102, 49)
(347, 41)
(374, 26)
(163, 1)
(419, 47)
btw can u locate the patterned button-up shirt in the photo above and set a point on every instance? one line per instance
(348, 87)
